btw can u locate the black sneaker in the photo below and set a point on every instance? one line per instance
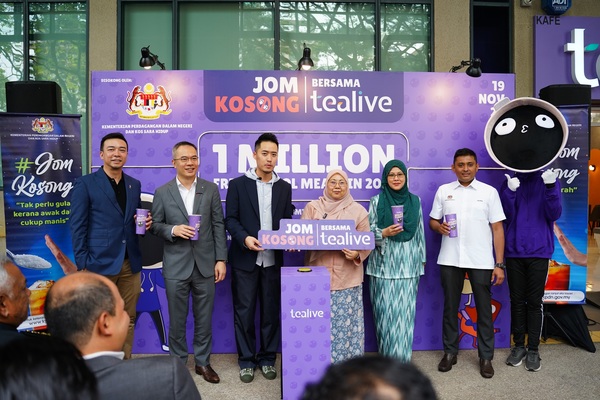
(532, 363)
(517, 354)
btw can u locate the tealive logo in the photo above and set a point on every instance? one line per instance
(308, 313)
(577, 48)
(353, 101)
(322, 95)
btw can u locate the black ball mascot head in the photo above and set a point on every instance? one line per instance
(525, 134)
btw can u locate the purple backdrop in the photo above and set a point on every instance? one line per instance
(324, 120)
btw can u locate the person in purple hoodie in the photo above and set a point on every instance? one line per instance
(526, 135)
(531, 202)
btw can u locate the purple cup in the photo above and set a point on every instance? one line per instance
(451, 220)
(140, 221)
(194, 221)
(398, 215)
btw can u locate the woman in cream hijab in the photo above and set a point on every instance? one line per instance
(345, 267)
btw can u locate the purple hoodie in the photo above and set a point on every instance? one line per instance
(530, 214)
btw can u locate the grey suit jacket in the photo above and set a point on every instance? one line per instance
(180, 254)
(160, 377)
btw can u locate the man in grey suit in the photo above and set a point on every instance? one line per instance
(190, 266)
(87, 310)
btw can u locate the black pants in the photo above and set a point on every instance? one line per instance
(248, 287)
(453, 279)
(526, 281)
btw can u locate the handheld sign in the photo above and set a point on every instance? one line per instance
(304, 234)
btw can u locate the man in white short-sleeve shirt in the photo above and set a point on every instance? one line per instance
(477, 250)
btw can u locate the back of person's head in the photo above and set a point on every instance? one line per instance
(14, 294)
(266, 137)
(46, 368)
(6, 280)
(371, 378)
(75, 303)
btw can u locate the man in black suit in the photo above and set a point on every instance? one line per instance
(87, 310)
(257, 200)
(14, 301)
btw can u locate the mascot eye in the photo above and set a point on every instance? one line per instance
(544, 121)
(506, 126)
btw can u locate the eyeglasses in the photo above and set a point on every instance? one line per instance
(336, 183)
(186, 159)
(394, 176)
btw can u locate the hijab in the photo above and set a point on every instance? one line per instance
(329, 207)
(389, 197)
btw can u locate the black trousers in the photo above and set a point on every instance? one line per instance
(248, 287)
(526, 282)
(453, 279)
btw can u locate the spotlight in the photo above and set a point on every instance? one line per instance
(149, 59)
(592, 167)
(305, 63)
(474, 69)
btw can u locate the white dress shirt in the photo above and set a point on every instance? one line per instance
(476, 207)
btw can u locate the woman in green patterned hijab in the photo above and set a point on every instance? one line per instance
(394, 192)
(396, 264)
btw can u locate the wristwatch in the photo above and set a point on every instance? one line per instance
(500, 265)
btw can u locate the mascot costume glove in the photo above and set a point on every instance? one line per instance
(513, 183)
(549, 176)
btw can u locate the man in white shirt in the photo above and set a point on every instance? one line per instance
(86, 309)
(478, 251)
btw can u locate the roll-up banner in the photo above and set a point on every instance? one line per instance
(41, 158)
